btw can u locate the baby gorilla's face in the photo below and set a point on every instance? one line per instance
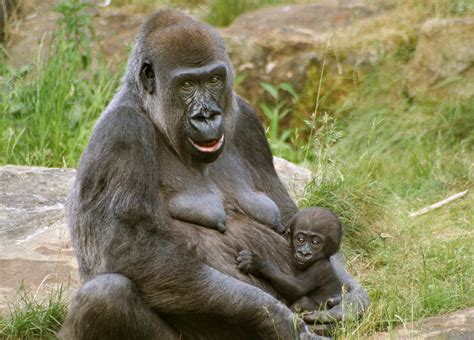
(308, 245)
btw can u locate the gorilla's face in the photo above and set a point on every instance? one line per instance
(308, 246)
(200, 91)
(191, 104)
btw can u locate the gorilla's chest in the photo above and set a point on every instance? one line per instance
(206, 197)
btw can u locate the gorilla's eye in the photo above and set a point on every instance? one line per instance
(215, 79)
(186, 85)
(300, 239)
(315, 242)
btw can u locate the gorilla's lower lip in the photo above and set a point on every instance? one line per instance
(211, 146)
(301, 260)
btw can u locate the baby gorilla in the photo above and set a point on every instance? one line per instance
(315, 236)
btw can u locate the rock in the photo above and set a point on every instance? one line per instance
(36, 26)
(457, 325)
(280, 44)
(34, 244)
(114, 31)
(444, 55)
(294, 177)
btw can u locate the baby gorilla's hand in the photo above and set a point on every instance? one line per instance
(248, 262)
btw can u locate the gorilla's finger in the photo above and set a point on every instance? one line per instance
(245, 253)
(243, 267)
(322, 317)
(221, 227)
(334, 301)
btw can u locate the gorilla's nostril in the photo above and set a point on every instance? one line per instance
(216, 113)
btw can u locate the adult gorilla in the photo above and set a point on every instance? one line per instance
(176, 180)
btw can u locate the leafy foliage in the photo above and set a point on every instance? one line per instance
(48, 108)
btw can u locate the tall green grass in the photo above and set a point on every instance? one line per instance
(48, 108)
(33, 319)
(396, 154)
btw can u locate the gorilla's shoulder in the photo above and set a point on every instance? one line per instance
(245, 109)
(249, 128)
(247, 118)
(120, 129)
(119, 161)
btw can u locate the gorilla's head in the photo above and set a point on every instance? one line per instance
(315, 234)
(183, 74)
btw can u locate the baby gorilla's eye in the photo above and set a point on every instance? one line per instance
(214, 80)
(300, 239)
(186, 85)
(315, 242)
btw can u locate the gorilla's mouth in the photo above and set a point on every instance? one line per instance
(211, 146)
(303, 259)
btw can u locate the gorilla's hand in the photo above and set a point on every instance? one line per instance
(351, 304)
(303, 332)
(249, 263)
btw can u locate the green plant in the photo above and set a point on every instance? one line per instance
(48, 108)
(275, 113)
(32, 319)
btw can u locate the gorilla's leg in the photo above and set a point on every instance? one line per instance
(109, 307)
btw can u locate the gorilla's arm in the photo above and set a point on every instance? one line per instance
(291, 287)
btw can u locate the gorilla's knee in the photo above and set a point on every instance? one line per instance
(108, 307)
(105, 288)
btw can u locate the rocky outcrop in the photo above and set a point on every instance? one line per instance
(114, 31)
(275, 44)
(280, 44)
(444, 59)
(457, 325)
(34, 245)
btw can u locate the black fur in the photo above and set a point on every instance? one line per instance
(133, 220)
(315, 237)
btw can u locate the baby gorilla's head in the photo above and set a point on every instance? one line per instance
(315, 234)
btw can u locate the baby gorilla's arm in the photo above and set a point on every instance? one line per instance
(289, 286)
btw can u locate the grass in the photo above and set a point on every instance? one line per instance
(376, 154)
(397, 154)
(30, 319)
(49, 108)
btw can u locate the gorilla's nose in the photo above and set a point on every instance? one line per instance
(206, 119)
(205, 113)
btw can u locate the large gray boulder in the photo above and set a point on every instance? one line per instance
(444, 59)
(34, 243)
(34, 246)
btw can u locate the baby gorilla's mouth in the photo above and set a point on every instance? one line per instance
(302, 259)
(210, 146)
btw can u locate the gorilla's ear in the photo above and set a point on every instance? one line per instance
(147, 77)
